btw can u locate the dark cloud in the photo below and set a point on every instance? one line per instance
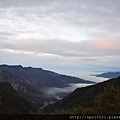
(6, 33)
(15, 3)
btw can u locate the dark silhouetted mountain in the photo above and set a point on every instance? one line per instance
(12, 103)
(83, 96)
(39, 77)
(109, 75)
(29, 82)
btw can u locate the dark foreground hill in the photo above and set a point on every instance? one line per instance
(12, 103)
(83, 96)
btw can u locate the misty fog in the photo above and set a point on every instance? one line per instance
(55, 91)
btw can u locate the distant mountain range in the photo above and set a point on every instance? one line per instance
(83, 96)
(29, 82)
(108, 75)
(12, 103)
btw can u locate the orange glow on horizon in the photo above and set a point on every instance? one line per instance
(105, 45)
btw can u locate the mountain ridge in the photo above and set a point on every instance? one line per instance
(24, 73)
(109, 75)
(28, 80)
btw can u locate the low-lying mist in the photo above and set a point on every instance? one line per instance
(52, 91)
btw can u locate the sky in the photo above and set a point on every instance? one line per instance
(66, 36)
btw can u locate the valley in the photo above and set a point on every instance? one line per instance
(41, 87)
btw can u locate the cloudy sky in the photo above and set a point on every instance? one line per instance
(61, 35)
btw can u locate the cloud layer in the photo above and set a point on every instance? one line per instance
(61, 34)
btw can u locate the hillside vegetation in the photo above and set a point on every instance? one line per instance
(12, 103)
(84, 97)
